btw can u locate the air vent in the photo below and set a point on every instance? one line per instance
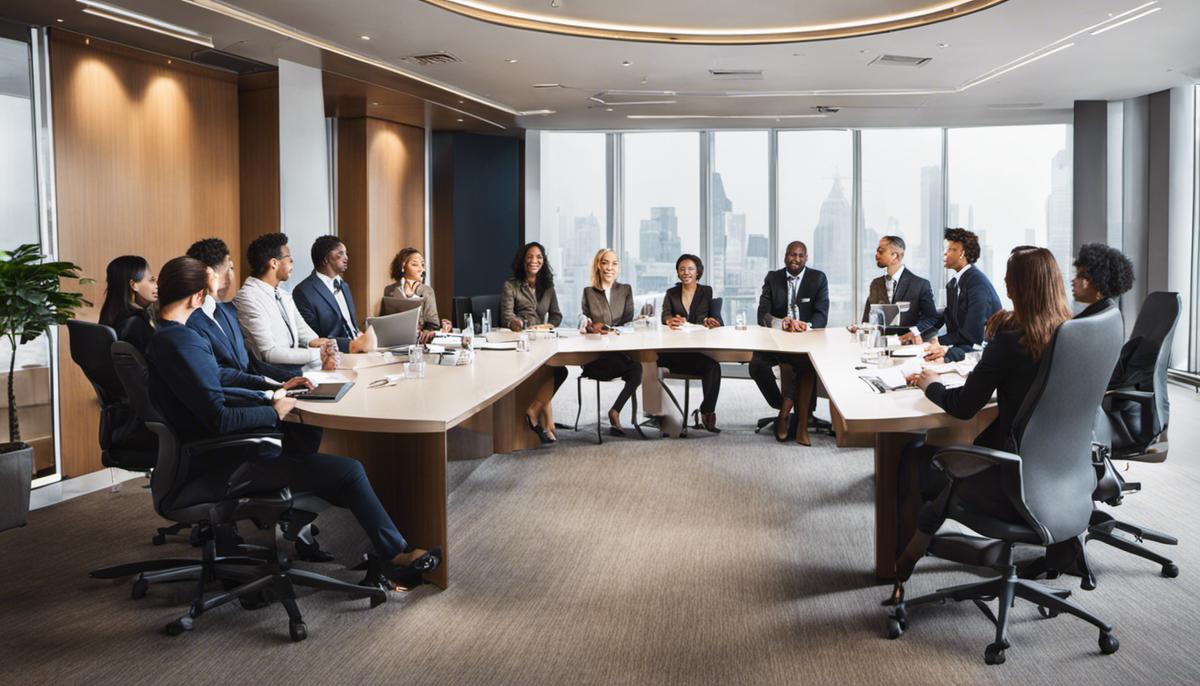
(827, 109)
(548, 85)
(737, 74)
(430, 59)
(229, 62)
(900, 61)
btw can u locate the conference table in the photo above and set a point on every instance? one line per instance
(405, 434)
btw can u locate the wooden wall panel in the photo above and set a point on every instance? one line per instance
(258, 155)
(146, 157)
(381, 202)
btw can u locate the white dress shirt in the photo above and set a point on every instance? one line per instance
(340, 299)
(793, 286)
(958, 275)
(890, 282)
(273, 328)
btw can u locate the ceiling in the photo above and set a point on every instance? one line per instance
(500, 65)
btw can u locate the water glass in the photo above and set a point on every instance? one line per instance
(486, 324)
(740, 320)
(416, 363)
(523, 345)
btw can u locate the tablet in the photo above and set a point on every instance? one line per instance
(327, 392)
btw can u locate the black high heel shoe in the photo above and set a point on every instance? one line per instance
(542, 434)
(383, 574)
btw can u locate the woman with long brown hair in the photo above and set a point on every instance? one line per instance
(1017, 338)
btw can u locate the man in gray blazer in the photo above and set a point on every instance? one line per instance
(899, 285)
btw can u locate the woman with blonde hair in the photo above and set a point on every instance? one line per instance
(1017, 338)
(607, 305)
(408, 276)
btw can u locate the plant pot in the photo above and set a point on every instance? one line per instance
(16, 474)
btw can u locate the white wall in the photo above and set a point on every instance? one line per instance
(1180, 219)
(304, 202)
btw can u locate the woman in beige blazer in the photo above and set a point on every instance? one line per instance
(608, 304)
(408, 274)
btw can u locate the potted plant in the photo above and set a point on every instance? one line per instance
(30, 303)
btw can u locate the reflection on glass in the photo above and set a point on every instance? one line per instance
(739, 221)
(574, 212)
(902, 196)
(662, 204)
(1011, 185)
(18, 225)
(816, 207)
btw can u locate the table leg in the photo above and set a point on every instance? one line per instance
(408, 473)
(887, 465)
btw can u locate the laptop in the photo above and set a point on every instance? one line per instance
(327, 392)
(398, 305)
(396, 330)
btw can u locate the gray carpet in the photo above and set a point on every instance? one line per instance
(715, 559)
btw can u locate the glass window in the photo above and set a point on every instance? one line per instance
(574, 210)
(816, 206)
(739, 217)
(662, 209)
(1011, 185)
(19, 225)
(902, 196)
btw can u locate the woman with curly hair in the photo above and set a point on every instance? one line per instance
(1102, 274)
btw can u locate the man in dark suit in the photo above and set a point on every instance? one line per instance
(795, 298)
(900, 285)
(970, 299)
(324, 300)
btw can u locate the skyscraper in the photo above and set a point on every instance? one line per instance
(831, 238)
(658, 236)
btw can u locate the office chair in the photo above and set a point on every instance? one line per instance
(1048, 483)
(489, 303)
(260, 576)
(460, 306)
(1132, 425)
(125, 443)
(664, 376)
(633, 413)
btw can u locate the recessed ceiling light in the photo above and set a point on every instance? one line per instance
(460, 120)
(511, 61)
(59, 20)
(627, 63)
(943, 45)
(170, 62)
(608, 109)
(365, 37)
(375, 104)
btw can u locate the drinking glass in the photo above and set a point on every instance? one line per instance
(740, 320)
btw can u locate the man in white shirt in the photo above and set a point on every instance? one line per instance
(323, 299)
(274, 329)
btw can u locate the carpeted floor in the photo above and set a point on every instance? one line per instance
(715, 559)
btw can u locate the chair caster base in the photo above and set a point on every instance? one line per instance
(138, 591)
(1108, 643)
(179, 626)
(159, 539)
(1047, 612)
(1170, 571)
(994, 653)
(297, 630)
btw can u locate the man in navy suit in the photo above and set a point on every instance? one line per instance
(324, 300)
(970, 299)
(795, 298)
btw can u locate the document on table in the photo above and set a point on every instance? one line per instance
(891, 378)
(320, 377)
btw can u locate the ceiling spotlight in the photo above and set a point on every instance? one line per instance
(59, 20)
(365, 37)
(943, 45)
(460, 120)
(608, 109)
(556, 3)
(627, 63)
(511, 60)
(374, 104)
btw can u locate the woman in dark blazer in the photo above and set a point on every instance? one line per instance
(131, 291)
(528, 299)
(688, 302)
(608, 304)
(1008, 367)
(185, 384)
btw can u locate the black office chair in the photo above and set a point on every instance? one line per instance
(633, 412)
(125, 442)
(1132, 425)
(664, 376)
(460, 306)
(259, 576)
(488, 303)
(1048, 483)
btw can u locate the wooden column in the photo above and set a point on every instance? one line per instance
(381, 202)
(258, 160)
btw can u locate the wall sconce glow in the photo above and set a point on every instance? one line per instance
(142, 21)
(574, 26)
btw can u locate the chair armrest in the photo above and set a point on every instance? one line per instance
(1142, 397)
(239, 440)
(962, 461)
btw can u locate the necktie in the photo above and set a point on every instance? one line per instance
(337, 288)
(286, 320)
(952, 296)
(890, 284)
(793, 308)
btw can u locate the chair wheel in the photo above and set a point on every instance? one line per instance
(1170, 570)
(994, 654)
(159, 539)
(1047, 612)
(895, 629)
(139, 589)
(1108, 643)
(298, 631)
(312, 528)
(377, 600)
(1088, 583)
(179, 626)
(254, 601)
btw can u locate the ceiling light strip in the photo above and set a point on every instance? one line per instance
(1005, 70)
(725, 116)
(142, 21)
(505, 16)
(289, 32)
(1126, 21)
